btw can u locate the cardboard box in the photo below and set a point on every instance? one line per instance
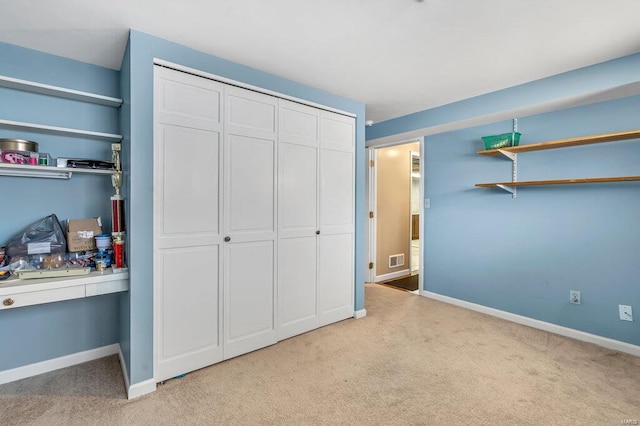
(81, 234)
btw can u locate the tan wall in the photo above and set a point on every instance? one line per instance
(393, 205)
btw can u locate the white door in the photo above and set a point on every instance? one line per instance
(298, 218)
(187, 223)
(337, 206)
(250, 188)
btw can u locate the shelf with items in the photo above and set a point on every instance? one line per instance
(512, 154)
(47, 172)
(60, 92)
(565, 143)
(15, 293)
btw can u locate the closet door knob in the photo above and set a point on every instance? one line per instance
(318, 232)
(8, 301)
(227, 239)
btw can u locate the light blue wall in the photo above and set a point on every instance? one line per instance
(143, 49)
(43, 332)
(523, 255)
(125, 130)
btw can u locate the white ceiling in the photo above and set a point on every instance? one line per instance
(396, 56)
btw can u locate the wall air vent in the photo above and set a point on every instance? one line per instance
(396, 260)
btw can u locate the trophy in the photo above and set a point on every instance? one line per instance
(117, 209)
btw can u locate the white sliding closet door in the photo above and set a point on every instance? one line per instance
(187, 223)
(337, 207)
(250, 161)
(298, 219)
(316, 216)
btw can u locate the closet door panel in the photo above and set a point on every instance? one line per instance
(250, 203)
(250, 184)
(186, 99)
(299, 124)
(337, 131)
(190, 200)
(297, 218)
(187, 223)
(337, 206)
(335, 280)
(298, 190)
(250, 113)
(250, 298)
(190, 327)
(297, 286)
(336, 192)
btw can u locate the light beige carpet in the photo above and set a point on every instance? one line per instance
(410, 361)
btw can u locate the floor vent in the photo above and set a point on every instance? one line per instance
(396, 260)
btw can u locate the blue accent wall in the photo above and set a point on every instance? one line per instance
(42, 332)
(523, 255)
(143, 49)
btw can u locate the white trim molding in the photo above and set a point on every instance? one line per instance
(138, 389)
(392, 275)
(360, 314)
(142, 388)
(604, 342)
(123, 367)
(49, 365)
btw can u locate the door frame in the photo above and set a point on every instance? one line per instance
(413, 154)
(371, 194)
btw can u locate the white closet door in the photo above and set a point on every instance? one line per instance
(187, 223)
(250, 160)
(298, 218)
(337, 206)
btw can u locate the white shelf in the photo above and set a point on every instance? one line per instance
(38, 291)
(47, 172)
(60, 92)
(65, 131)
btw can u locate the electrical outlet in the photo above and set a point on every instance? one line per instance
(626, 314)
(575, 297)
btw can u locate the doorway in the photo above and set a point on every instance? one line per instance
(396, 195)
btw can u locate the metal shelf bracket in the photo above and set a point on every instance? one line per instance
(511, 189)
(514, 171)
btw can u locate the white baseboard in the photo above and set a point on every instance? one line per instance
(142, 388)
(123, 366)
(605, 342)
(392, 275)
(360, 314)
(49, 365)
(138, 389)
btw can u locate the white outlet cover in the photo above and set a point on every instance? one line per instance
(575, 297)
(626, 313)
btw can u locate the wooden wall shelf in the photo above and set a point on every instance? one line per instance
(560, 181)
(511, 153)
(565, 143)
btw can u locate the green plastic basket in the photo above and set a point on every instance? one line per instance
(504, 140)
